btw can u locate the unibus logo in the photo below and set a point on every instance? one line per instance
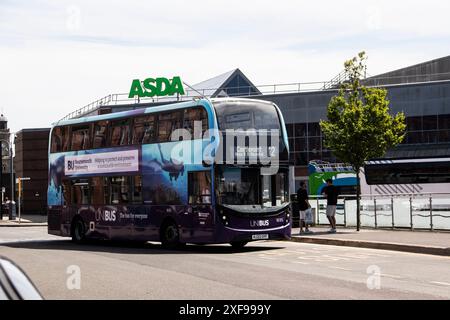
(159, 87)
(106, 215)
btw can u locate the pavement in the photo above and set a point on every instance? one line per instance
(25, 221)
(424, 242)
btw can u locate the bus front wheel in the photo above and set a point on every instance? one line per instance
(238, 244)
(170, 235)
(78, 231)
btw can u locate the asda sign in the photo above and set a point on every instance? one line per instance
(156, 87)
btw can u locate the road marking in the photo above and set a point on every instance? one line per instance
(299, 262)
(391, 276)
(340, 268)
(440, 283)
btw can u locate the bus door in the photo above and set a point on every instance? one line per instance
(200, 200)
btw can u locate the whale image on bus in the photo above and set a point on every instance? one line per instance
(204, 171)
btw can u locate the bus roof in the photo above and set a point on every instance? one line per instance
(148, 110)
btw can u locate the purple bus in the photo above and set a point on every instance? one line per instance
(123, 176)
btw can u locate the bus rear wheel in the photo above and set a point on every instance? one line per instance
(78, 231)
(238, 244)
(170, 235)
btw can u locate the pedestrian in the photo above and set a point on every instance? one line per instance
(331, 193)
(303, 205)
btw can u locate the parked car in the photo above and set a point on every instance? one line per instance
(15, 284)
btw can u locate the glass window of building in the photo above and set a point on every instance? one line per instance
(444, 136)
(315, 144)
(300, 129)
(290, 129)
(430, 136)
(444, 121)
(100, 134)
(144, 129)
(292, 145)
(414, 123)
(314, 129)
(300, 144)
(430, 122)
(414, 137)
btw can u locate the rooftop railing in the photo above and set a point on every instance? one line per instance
(270, 89)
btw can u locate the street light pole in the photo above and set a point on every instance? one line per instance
(11, 204)
(1, 178)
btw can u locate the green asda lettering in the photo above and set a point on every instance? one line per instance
(156, 87)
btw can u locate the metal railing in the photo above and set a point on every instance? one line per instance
(242, 91)
(410, 211)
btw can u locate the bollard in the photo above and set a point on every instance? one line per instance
(345, 214)
(431, 213)
(318, 212)
(392, 212)
(411, 213)
(375, 211)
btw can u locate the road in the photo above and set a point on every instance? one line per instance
(263, 270)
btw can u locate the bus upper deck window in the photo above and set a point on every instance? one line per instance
(60, 139)
(80, 138)
(120, 133)
(100, 134)
(167, 123)
(57, 140)
(191, 116)
(144, 129)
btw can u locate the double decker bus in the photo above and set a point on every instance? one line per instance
(123, 176)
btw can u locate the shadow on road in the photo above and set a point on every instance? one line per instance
(132, 247)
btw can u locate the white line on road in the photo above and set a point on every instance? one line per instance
(299, 262)
(440, 283)
(340, 268)
(391, 276)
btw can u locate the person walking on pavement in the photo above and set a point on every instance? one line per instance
(303, 205)
(331, 193)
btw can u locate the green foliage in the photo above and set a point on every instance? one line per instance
(359, 125)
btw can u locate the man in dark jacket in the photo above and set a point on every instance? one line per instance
(303, 205)
(331, 193)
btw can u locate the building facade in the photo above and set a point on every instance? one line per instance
(31, 161)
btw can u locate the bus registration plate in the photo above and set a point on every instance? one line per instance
(260, 237)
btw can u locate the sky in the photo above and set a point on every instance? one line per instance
(57, 56)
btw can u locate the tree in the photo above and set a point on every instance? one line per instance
(359, 125)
